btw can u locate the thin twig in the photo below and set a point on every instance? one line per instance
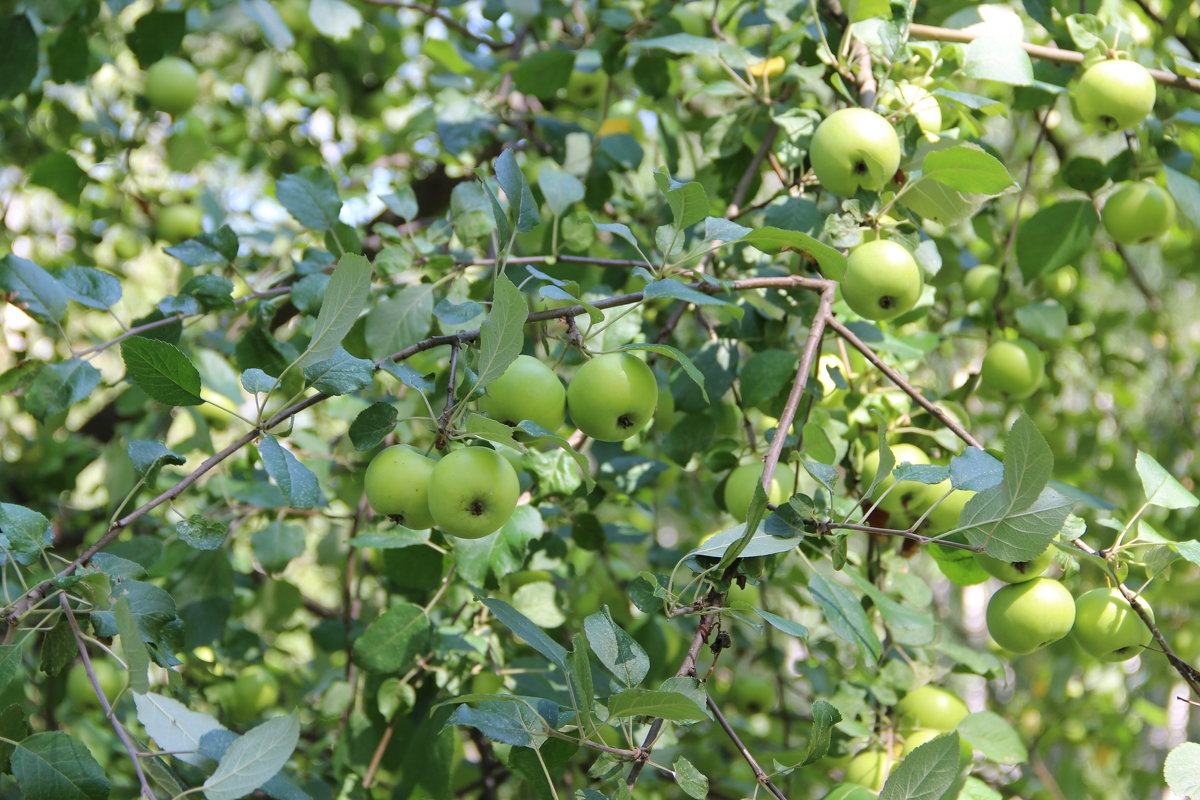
(904, 385)
(444, 18)
(759, 773)
(104, 704)
(444, 420)
(1055, 54)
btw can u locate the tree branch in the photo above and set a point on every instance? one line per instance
(759, 773)
(1055, 54)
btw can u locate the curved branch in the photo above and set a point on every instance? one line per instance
(1055, 54)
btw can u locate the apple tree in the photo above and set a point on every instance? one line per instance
(593, 399)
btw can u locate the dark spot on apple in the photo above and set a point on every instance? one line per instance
(625, 421)
(1110, 123)
(476, 508)
(1021, 566)
(860, 168)
(887, 301)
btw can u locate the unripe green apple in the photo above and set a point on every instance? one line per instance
(870, 768)
(739, 487)
(586, 89)
(1018, 572)
(753, 694)
(1107, 626)
(172, 85)
(853, 149)
(179, 222)
(931, 707)
(1012, 369)
(187, 145)
(882, 280)
(903, 499)
(254, 692)
(1137, 212)
(1023, 617)
(945, 516)
(1115, 94)
(397, 485)
(79, 686)
(915, 739)
(612, 397)
(912, 99)
(981, 282)
(487, 682)
(472, 492)
(1061, 283)
(528, 389)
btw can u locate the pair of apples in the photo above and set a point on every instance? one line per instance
(472, 492)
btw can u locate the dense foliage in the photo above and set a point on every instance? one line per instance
(590, 276)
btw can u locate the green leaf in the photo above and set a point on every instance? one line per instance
(1046, 321)
(10, 662)
(13, 728)
(310, 196)
(671, 352)
(845, 615)
(531, 634)
(721, 229)
(975, 470)
(200, 533)
(615, 648)
(1185, 190)
(93, 288)
(858, 10)
(582, 688)
(137, 661)
(688, 203)
(997, 59)
(149, 457)
(692, 781)
(543, 72)
(277, 544)
(1028, 462)
(508, 721)
(766, 374)
(561, 189)
(154, 612)
(992, 736)
(174, 727)
(19, 56)
(24, 533)
(253, 759)
(218, 247)
(162, 371)
(1055, 236)
(927, 773)
(346, 297)
(777, 622)
(502, 334)
(274, 29)
(760, 544)
(1160, 486)
(538, 601)
(57, 387)
(372, 426)
(991, 520)
(776, 240)
(393, 641)
(1182, 769)
(340, 374)
(299, 485)
(672, 706)
(155, 35)
(967, 168)
(681, 44)
(399, 321)
(516, 188)
(54, 766)
(669, 287)
(939, 203)
(825, 715)
(59, 173)
(37, 291)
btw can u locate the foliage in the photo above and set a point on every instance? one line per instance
(214, 320)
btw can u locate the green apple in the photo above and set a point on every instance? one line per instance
(178, 222)
(612, 397)
(739, 487)
(853, 149)
(472, 492)
(1012, 369)
(487, 682)
(187, 145)
(1115, 94)
(1107, 626)
(1061, 283)
(1017, 572)
(254, 692)
(79, 686)
(586, 89)
(882, 280)
(905, 498)
(981, 282)
(870, 768)
(931, 708)
(1137, 212)
(1027, 616)
(915, 739)
(944, 516)
(397, 485)
(528, 389)
(172, 85)
(912, 99)
(753, 694)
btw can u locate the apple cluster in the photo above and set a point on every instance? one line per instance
(471, 492)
